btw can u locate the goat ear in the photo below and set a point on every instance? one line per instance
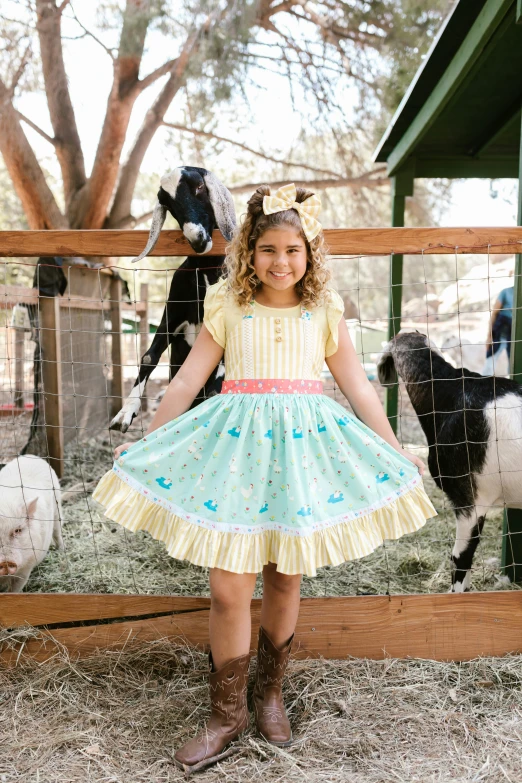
(158, 218)
(386, 371)
(222, 204)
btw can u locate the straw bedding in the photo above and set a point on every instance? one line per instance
(120, 716)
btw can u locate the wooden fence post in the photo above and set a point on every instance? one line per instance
(402, 186)
(19, 345)
(50, 342)
(117, 388)
(144, 333)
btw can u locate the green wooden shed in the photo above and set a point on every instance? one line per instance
(462, 117)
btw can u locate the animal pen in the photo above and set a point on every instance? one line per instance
(76, 349)
(397, 624)
(441, 129)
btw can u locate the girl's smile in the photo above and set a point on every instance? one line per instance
(280, 259)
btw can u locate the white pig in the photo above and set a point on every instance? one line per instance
(30, 517)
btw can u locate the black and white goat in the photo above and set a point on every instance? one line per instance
(200, 203)
(473, 425)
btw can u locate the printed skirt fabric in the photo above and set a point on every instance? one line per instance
(249, 478)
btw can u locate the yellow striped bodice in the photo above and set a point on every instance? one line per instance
(265, 342)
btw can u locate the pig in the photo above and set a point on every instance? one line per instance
(30, 517)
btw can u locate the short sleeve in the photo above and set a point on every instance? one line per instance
(213, 311)
(334, 313)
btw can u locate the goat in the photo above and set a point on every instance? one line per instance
(49, 277)
(473, 425)
(200, 203)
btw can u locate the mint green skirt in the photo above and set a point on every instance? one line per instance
(247, 479)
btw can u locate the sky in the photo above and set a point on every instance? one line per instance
(472, 203)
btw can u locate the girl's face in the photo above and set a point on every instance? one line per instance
(280, 258)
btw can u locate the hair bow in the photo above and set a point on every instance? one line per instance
(308, 210)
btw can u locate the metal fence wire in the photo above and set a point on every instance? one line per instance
(450, 301)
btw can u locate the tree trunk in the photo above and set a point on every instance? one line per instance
(121, 208)
(26, 175)
(67, 140)
(90, 208)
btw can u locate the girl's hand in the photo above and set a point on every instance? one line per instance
(413, 458)
(118, 450)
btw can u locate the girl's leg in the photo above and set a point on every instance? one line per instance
(231, 595)
(280, 606)
(230, 624)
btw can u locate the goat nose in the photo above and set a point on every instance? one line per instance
(8, 568)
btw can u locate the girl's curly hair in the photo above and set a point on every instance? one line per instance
(239, 262)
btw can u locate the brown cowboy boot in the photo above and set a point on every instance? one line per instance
(228, 717)
(269, 710)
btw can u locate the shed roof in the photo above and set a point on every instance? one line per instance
(461, 115)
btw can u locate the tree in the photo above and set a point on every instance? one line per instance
(322, 47)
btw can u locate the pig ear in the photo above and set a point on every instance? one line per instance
(31, 508)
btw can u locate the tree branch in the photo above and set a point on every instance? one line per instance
(67, 140)
(35, 127)
(153, 76)
(93, 204)
(20, 70)
(266, 10)
(26, 175)
(366, 180)
(88, 33)
(329, 36)
(121, 207)
(208, 135)
(131, 222)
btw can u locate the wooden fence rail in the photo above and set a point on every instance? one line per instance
(346, 241)
(437, 627)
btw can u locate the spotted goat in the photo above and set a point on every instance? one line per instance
(200, 203)
(473, 425)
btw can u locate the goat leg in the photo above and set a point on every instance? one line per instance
(469, 529)
(148, 362)
(178, 328)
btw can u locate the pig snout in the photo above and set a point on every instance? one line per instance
(8, 568)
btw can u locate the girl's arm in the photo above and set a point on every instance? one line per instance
(351, 378)
(195, 371)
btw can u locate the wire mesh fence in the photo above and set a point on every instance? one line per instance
(16, 386)
(449, 299)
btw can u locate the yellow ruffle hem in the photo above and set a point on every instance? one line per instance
(249, 552)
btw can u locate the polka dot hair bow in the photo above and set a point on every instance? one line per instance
(308, 210)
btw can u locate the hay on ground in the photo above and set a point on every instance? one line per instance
(119, 716)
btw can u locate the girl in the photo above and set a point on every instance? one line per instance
(271, 475)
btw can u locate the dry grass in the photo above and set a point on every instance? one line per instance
(120, 716)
